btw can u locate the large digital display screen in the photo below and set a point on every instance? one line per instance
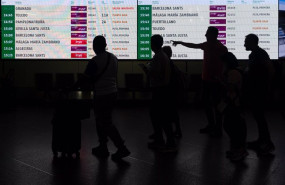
(64, 29)
(281, 28)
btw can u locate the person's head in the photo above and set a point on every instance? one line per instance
(156, 43)
(167, 50)
(230, 61)
(251, 42)
(99, 44)
(212, 33)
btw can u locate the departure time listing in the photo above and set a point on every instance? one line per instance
(48, 29)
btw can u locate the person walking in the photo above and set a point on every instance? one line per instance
(258, 75)
(159, 71)
(231, 107)
(102, 72)
(174, 94)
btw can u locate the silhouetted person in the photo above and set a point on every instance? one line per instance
(174, 113)
(257, 85)
(212, 74)
(234, 123)
(102, 71)
(159, 71)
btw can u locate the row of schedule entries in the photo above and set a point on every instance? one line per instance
(47, 29)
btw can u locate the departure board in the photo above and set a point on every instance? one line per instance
(65, 29)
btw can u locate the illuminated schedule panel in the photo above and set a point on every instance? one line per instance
(52, 29)
(64, 29)
(40, 29)
(117, 21)
(188, 20)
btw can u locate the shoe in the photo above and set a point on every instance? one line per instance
(121, 153)
(238, 155)
(156, 145)
(100, 151)
(266, 148)
(206, 130)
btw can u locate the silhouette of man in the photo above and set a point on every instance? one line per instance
(102, 71)
(174, 112)
(159, 72)
(212, 74)
(257, 86)
(234, 123)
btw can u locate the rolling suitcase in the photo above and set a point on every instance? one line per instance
(66, 123)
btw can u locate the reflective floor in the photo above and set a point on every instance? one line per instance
(26, 157)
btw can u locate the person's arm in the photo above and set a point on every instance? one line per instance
(187, 44)
(90, 71)
(153, 68)
(87, 77)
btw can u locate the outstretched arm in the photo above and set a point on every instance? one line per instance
(186, 44)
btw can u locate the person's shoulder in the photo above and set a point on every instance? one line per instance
(263, 52)
(164, 55)
(160, 56)
(221, 46)
(259, 54)
(92, 60)
(165, 58)
(112, 55)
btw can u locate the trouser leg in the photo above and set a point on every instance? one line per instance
(105, 128)
(154, 115)
(235, 127)
(167, 127)
(208, 105)
(212, 96)
(258, 104)
(262, 124)
(166, 114)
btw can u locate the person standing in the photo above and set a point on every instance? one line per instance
(159, 71)
(174, 94)
(212, 75)
(258, 75)
(230, 105)
(102, 72)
